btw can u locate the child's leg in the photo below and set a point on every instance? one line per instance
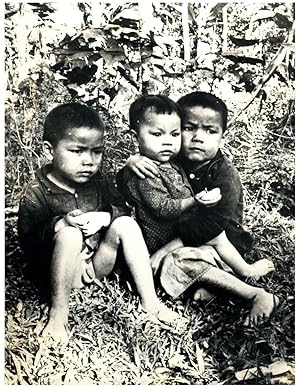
(263, 303)
(231, 257)
(65, 265)
(203, 295)
(125, 231)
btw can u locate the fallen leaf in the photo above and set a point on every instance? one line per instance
(162, 371)
(275, 369)
(200, 360)
(176, 360)
(278, 368)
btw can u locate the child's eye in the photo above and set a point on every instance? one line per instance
(177, 134)
(157, 134)
(187, 128)
(98, 151)
(77, 151)
(211, 131)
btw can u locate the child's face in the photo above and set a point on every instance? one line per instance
(77, 156)
(201, 135)
(159, 136)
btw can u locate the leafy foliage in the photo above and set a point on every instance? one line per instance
(106, 55)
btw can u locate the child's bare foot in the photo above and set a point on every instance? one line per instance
(56, 331)
(264, 304)
(166, 315)
(261, 268)
(203, 295)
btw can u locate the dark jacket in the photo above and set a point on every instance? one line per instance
(44, 203)
(206, 223)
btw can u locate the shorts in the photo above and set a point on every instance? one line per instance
(185, 266)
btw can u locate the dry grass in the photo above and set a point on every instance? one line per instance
(111, 344)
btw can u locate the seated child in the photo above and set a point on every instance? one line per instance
(165, 205)
(71, 223)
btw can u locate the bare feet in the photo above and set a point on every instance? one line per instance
(261, 268)
(57, 331)
(203, 295)
(162, 313)
(264, 304)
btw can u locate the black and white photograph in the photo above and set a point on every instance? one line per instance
(149, 197)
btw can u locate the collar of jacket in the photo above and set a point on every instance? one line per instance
(213, 163)
(165, 166)
(53, 188)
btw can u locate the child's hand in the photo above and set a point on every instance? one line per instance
(91, 222)
(72, 219)
(142, 166)
(209, 198)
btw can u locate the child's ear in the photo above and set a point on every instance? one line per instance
(133, 134)
(48, 150)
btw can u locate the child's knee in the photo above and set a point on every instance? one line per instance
(124, 226)
(69, 235)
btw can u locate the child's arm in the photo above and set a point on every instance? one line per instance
(205, 223)
(89, 223)
(93, 221)
(68, 220)
(35, 223)
(142, 166)
(159, 200)
(152, 194)
(139, 165)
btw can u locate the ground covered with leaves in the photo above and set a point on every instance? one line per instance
(111, 343)
(106, 55)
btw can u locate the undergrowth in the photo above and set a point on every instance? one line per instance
(111, 343)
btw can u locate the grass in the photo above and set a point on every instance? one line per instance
(112, 344)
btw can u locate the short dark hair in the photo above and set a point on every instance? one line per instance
(159, 104)
(206, 100)
(70, 115)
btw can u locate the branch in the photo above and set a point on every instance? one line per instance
(225, 29)
(186, 32)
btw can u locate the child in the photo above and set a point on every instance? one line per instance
(67, 225)
(202, 133)
(159, 201)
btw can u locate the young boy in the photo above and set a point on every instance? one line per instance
(204, 121)
(71, 223)
(159, 201)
